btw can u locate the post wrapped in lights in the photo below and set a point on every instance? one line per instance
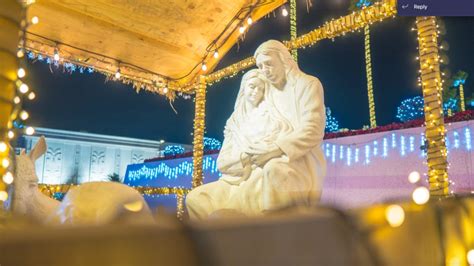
(10, 22)
(199, 127)
(432, 85)
(459, 81)
(293, 29)
(368, 67)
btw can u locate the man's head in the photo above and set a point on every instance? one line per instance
(274, 60)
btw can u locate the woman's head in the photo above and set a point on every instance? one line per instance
(254, 86)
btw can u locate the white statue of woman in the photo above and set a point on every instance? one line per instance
(252, 129)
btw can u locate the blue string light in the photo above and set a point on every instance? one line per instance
(333, 153)
(375, 148)
(467, 135)
(68, 67)
(332, 125)
(364, 3)
(458, 82)
(402, 146)
(367, 154)
(172, 150)
(211, 144)
(456, 139)
(411, 109)
(351, 154)
(450, 104)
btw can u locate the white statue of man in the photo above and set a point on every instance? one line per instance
(261, 173)
(296, 167)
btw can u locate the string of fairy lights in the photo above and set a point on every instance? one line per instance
(16, 91)
(58, 191)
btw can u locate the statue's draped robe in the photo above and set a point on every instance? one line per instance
(295, 177)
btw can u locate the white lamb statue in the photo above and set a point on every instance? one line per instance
(89, 203)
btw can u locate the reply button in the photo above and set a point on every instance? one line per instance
(420, 7)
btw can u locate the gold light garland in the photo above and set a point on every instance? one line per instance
(432, 85)
(368, 67)
(138, 78)
(334, 28)
(293, 29)
(461, 96)
(50, 190)
(180, 206)
(199, 127)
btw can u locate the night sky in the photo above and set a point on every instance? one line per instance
(85, 102)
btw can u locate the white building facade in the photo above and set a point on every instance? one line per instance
(77, 157)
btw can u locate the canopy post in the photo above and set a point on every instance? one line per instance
(199, 127)
(10, 25)
(432, 85)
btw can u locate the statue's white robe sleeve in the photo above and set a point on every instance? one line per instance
(228, 161)
(312, 120)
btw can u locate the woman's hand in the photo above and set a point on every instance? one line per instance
(245, 159)
(261, 159)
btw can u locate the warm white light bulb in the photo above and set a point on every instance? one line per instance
(3, 147)
(16, 100)
(20, 53)
(117, 74)
(35, 20)
(249, 21)
(395, 215)
(30, 131)
(5, 163)
(11, 134)
(216, 54)
(470, 257)
(165, 90)
(21, 73)
(414, 177)
(24, 115)
(162, 141)
(8, 178)
(204, 67)
(284, 12)
(31, 96)
(242, 29)
(3, 196)
(24, 88)
(421, 195)
(56, 55)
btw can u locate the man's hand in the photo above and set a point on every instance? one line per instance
(261, 159)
